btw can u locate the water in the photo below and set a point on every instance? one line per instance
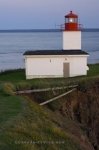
(90, 44)
(14, 44)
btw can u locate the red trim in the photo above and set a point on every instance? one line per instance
(71, 26)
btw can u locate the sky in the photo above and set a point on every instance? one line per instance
(46, 14)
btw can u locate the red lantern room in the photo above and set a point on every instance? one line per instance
(71, 22)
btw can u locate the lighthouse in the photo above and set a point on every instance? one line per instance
(70, 61)
(71, 33)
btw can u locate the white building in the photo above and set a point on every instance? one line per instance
(69, 62)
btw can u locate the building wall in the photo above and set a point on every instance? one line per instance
(44, 67)
(71, 40)
(52, 66)
(78, 66)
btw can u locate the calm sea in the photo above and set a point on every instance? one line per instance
(14, 43)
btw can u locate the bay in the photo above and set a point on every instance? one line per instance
(14, 44)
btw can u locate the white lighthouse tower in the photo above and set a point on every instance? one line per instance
(71, 33)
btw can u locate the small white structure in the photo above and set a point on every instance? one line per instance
(69, 62)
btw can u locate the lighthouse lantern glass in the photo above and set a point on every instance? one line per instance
(71, 20)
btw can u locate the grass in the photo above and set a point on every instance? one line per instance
(10, 106)
(17, 77)
(93, 70)
(13, 75)
(22, 120)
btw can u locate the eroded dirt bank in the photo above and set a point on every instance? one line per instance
(83, 107)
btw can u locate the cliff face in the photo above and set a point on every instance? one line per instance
(82, 106)
(77, 113)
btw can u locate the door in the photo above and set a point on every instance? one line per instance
(66, 69)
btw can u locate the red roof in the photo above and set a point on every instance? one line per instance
(71, 15)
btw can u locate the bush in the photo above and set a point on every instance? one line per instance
(8, 89)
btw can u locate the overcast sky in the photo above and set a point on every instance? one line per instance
(45, 14)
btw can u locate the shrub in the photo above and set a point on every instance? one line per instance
(8, 89)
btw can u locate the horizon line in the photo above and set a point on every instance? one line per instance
(38, 30)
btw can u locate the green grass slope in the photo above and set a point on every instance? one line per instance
(26, 125)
